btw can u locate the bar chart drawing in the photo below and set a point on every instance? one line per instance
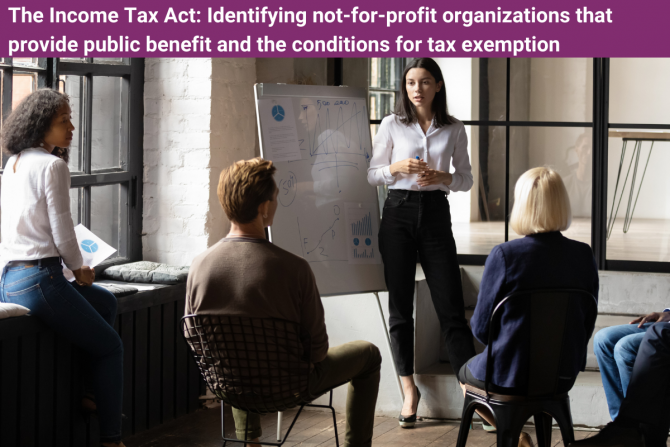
(362, 222)
(362, 227)
(364, 254)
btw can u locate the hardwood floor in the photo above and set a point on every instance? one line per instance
(315, 428)
(646, 240)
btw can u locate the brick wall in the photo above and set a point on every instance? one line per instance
(199, 117)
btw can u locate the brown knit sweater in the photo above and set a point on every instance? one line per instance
(254, 278)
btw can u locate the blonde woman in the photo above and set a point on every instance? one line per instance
(543, 259)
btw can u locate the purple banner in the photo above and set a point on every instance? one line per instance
(346, 28)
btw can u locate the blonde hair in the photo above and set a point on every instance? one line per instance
(244, 186)
(541, 203)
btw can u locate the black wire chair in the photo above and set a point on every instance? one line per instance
(258, 365)
(553, 315)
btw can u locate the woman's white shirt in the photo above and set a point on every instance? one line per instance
(35, 203)
(439, 147)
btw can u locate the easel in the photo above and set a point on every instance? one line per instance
(388, 345)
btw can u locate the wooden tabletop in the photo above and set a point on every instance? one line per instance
(641, 135)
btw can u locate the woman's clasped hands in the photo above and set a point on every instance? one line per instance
(426, 176)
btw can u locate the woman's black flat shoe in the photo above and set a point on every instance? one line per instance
(409, 421)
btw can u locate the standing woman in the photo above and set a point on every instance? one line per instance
(412, 152)
(37, 232)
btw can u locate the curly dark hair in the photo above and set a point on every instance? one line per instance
(30, 121)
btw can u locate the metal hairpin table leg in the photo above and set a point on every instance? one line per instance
(637, 138)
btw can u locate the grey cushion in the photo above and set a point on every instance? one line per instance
(118, 290)
(147, 272)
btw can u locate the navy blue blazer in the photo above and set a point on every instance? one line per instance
(538, 261)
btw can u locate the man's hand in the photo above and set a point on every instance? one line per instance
(654, 317)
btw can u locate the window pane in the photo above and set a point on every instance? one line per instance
(74, 87)
(383, 73)
(73, 59)
(25, 61)
(109, 143)
(545, 89)
(381, 104)
(645, 235)
(476, 88)
(108, 60)
(76, 197)
(639, 91)
(478, 216)
(23, 84)
(568, 151)
(108, 211)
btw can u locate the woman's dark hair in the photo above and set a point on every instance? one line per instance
(31, 120)
(404, 108)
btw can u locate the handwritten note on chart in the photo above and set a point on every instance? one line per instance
(280, 135)
(361, 225)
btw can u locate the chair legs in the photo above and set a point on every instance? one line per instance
(510, 419)
(466, 421)
(280, 441)
(543, 429)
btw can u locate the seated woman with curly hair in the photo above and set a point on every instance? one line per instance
(37, 233)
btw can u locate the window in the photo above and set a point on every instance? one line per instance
(603, 124)
(106, 98)
(638, 153)
(384, 76)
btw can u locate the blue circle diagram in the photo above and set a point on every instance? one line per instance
(356, 241)
(368, 242)
(278, 113)
(89, 246)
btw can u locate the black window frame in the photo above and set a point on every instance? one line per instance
(600, 128)
(130, 177)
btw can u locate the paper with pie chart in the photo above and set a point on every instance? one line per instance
(93, 249)
(361, 225)
(280, 135)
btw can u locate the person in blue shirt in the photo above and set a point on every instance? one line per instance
(643, 417)
(634, 361)
(543, 259)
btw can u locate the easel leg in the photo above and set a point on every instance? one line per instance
(388, 345)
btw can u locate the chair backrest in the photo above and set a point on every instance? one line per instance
(256, 364)
(553, 313)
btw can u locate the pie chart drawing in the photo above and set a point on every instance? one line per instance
(89, 246)
(278, 113)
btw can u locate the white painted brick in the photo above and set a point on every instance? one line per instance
(188, 176)
(196, 226)
(190, 210)
(200, 88)
(197, 122)
(171, 225)
(190, 244)
(190, 106)
(159, 242)
(172, 69)
(193, 140)
(150, 225)
(171, 158)
(176, 123)
(173, 89)
(197, 158)
(199, 68)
